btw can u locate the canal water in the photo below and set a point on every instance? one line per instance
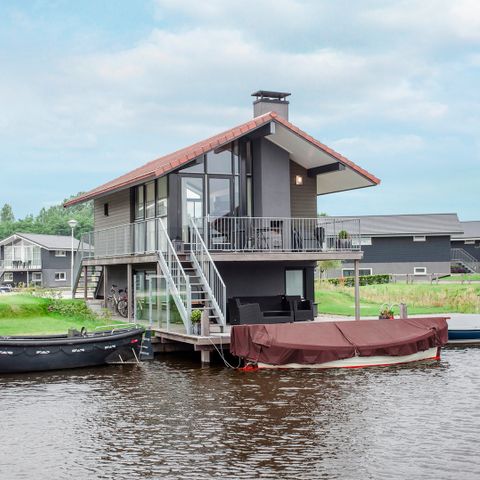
(171, 419)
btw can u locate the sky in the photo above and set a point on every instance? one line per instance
(90, 90)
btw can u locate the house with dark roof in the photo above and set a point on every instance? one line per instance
(231, 216)
(36, 259)
(466, 248)
(416, 245)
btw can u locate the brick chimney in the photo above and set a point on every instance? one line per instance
(270, 102)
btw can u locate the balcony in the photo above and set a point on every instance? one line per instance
(255, 238)
(276, 237)
(20, 265)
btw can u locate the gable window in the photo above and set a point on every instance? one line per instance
(8, 277)
(60, 276)
(419, 270)
(419, 238)
(60, 253)
(139, 199)
(150, 200)
(469, 242)
(105, 209)
(220, 163)
(162, 195)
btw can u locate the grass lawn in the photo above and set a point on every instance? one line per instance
(29, 315)
(463, 277)
(420, 298)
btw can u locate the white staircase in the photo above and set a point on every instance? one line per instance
(461, 257)
(94, 276)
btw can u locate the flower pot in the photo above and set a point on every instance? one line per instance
(196, 329)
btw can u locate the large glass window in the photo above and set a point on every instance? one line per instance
(220, 163)
(197, 167)
(150, 200)
(139, 200)
(192, 200)
(219, 194)
(162, 195)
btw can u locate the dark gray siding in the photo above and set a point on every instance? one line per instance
(262, 278)
(404, 249)
(473, 250)
(271, 180)
(52, 264)
(303, 198)
(119, 210)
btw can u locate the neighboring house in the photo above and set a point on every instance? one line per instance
(466, 247)
(405, 244)
(36, 259)
(233, 215)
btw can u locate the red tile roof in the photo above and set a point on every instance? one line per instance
(172, 161)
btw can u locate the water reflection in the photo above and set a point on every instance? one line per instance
(173, 419)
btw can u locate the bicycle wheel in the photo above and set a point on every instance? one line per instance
(122, 308)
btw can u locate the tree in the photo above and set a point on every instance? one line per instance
(6, 214)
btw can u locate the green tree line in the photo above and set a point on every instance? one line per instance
(52, 220)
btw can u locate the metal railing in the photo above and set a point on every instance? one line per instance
(177, 280)
(146, 237)
(279, 234)
(209, 273)
(20, 265)
(459, 255)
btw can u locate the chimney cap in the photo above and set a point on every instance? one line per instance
(266, 94)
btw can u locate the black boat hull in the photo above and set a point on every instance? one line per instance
(32, 354)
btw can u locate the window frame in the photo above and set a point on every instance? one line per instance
(64, 279)
(10, 277)
(423, 272)
(59, 254)
(419, 238)
(359, 270)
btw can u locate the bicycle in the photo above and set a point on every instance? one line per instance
(118, 301)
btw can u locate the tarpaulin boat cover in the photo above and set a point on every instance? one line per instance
(319, 342)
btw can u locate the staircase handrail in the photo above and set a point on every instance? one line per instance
(461, 255)
(209, 273)
(178, 281)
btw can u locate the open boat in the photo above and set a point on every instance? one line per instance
(73, 350)
(350, 344)
(464, 329)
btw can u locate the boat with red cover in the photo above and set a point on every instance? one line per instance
(342, 344)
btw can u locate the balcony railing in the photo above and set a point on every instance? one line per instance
(20, 265)
(272, 234)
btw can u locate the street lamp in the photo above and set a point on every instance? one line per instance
(72, 224)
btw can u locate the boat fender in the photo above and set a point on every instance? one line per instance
(249, 367)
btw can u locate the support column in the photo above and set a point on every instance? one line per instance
(105, 288)
(129, 292)
(85, 283)
(357, 289)
(205, 332)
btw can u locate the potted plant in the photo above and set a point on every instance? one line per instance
(343, 239)
(195, 318)
(386, 313)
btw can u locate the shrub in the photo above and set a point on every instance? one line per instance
(364, 280)
(196, 316)
(71, 308)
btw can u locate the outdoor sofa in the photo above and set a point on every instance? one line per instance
(269, 309)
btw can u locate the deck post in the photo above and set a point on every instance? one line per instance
(205, 332)
(85, 283)
(129, 292)
(105, 288)
(357, 289)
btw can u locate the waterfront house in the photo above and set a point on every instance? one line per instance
(466, 248)
(417, 246)
(231, 216)
(36, 259)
